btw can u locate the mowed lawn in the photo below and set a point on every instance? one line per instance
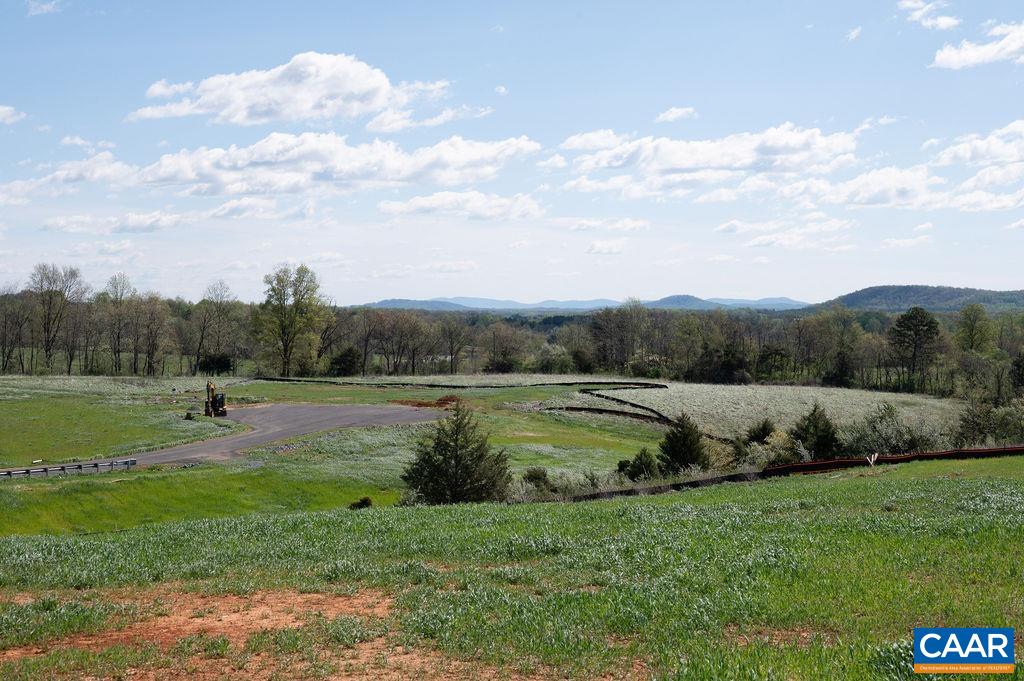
(813, 577)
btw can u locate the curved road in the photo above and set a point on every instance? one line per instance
(272, 422)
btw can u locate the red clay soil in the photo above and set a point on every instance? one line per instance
(234, 617)
(178, 615)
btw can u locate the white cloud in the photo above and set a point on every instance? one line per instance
(995, 176)
(89, 147)
(164, 90)
(284, 162)
(1016, 225)
(9, 115)
(127, 223)
(287, 163)
(610, 224)
(102, 167)
(853, 34)
(924, 227)
(38, 7)
(311, 87)
(1003, 145)
(469, 204)
(661, 166)
(247, 207)
(397, 120)
(742, 227)
(442, 267)
(607, 247)
(925, 14)
(824, 234)
(1008, 44)
(907, 243)
(554, 162)
(501, 90)
(596, 139)
(676, 113)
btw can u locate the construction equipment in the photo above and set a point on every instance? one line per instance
(215, 404)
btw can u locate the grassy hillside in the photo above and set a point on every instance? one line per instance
(806, 578)
(726, 410)
(331, 470)
(59, 419)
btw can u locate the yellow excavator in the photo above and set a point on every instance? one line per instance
(215, 405)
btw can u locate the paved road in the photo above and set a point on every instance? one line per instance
(273, 422)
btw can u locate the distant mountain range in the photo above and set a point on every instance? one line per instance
(875, 298)
(680, 302)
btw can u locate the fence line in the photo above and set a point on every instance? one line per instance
(802, 468)
(68, 469)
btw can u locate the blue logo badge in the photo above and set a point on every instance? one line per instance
(963, 650)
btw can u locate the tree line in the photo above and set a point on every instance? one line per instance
(57, 323)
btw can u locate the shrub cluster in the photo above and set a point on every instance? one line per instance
(681, 449)
(984, 424)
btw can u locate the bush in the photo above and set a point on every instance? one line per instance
(642, 467)
(364, 502)
(981, 423)
(538, 477)
(215, 363)
(817, 434)
(553, 359)
(456, 463)
(348, 362)
(682, 447)
(583, 362)
(760, 431)
(885, 432)
(777, 449)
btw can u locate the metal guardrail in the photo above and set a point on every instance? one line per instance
(69, 469)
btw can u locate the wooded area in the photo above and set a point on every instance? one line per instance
(57, 324)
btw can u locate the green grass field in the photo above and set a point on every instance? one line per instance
(802, 578)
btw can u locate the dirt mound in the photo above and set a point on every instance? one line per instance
(439, 403)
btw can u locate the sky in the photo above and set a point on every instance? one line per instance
(528, 150)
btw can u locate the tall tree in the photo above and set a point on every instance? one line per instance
(914, 340)
(974, 331)
(293, 309)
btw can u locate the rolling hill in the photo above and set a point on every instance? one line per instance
(933, 298)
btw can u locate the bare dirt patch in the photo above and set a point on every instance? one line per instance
(178, 615)
(800, 637)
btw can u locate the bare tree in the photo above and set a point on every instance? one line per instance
(54, 289)
(455, 335)
(15, 313)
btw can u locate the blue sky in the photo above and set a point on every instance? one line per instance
(527, 150)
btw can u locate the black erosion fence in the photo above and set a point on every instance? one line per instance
(804, 467)
(69, 469)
